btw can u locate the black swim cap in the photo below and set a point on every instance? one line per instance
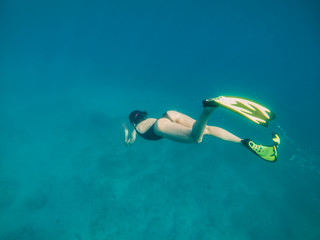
(137, 116)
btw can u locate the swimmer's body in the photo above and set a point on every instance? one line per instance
(179, 127)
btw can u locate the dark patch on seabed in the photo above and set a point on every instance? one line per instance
(8, 194)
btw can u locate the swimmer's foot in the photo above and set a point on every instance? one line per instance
(210, 102)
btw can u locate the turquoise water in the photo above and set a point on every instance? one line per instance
(71, 72)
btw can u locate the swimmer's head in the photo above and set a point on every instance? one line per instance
(137, 116)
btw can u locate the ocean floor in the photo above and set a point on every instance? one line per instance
(65, 173)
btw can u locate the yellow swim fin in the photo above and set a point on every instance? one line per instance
(268, 153)
(251, 110)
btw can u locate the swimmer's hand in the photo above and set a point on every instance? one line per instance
(128, 140)
(125, 127)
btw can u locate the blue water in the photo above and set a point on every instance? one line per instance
(71, 72)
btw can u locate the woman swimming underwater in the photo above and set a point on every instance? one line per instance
(179, 127)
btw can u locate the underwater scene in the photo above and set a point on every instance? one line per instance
(71, 72)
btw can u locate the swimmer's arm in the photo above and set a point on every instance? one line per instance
(129, 140)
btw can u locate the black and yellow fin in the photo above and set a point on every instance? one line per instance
(251, 110)
(268, 153)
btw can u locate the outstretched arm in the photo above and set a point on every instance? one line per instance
(129, 140)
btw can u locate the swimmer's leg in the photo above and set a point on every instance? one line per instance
(180, 118)
(199, 126)
(222, 134)
(189, 126)
(176, 126)
(166, 128)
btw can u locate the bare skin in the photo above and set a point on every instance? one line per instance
(179, 127)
